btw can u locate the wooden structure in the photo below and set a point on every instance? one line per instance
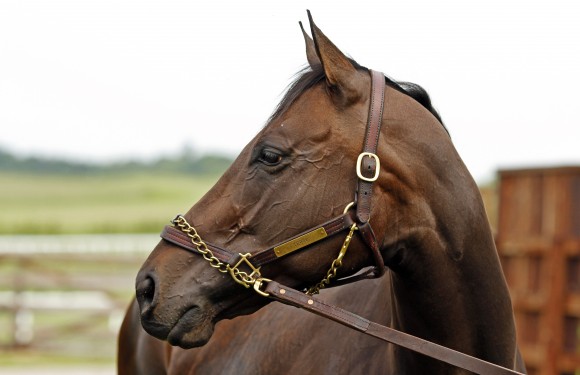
(538, 239)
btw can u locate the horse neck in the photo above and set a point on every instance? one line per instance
(466, 308)
(449, 287)
(452, 290)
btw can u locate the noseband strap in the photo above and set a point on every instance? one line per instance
(176, 236)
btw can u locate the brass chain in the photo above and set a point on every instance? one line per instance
(336, 264)
(201, 246)
(241, 277)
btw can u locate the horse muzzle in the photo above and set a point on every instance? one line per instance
(181, 316)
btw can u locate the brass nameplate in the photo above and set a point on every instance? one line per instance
(300, 242)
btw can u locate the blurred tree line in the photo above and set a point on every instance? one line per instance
(186, 162)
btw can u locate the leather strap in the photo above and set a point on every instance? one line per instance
(315, 305)
(368, 165)
(332, 227)
(368, 236)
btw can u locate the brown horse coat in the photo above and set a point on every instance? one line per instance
(445, 282)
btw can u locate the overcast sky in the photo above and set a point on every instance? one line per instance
(108, 80)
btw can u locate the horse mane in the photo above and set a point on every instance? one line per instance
(310, 77)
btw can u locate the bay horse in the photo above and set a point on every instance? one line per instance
(443, 281)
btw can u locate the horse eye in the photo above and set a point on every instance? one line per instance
(270, 157)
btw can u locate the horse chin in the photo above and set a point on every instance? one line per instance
(192, 329)
(195, 327)
(187, 337)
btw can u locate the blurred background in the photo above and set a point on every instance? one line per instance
(113, 119)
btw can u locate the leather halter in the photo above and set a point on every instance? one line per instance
(367, 168)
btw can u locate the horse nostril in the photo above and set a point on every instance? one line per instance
(146, 293)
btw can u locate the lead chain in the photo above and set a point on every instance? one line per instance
(241, 277)
(336, 264)
(200, 245)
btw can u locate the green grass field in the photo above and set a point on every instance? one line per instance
(95, 203)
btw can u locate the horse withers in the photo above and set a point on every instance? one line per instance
(444, 282)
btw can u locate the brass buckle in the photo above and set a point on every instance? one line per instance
(359, 164)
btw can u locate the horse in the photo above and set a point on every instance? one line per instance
(438, 275)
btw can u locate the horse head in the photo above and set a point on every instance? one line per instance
(300, 171)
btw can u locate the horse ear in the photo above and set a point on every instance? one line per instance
(337, 67)
(311, 55)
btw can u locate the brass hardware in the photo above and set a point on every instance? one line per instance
(258, 284)
(348, 206)
(242, 277)
(282, 291)
(310, 302)
(335, 264)
(300, 242)
(239, 276)
(201, 246)
(359, 164)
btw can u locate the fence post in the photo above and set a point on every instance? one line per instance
(22, 318)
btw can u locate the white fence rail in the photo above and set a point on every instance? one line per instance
(67, 293)
(81, 243)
